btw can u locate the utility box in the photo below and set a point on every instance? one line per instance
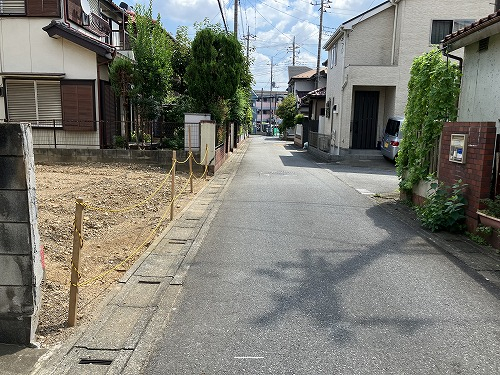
(21, 265)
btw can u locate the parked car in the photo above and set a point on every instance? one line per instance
(392, 137)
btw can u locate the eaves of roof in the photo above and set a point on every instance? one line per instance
(483, 28)
(349, 24)
(58, 29)
(309, 74)
(318, 93)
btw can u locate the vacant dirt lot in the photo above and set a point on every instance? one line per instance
(109, 237)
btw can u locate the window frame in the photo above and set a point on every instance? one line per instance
(455, 24)
(41, 108)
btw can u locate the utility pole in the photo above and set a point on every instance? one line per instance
(294, 48)
(318, 61)
(261, 112)
(236, 19)
(247, 38)
(271, 95)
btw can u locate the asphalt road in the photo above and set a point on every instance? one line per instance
(302, 273)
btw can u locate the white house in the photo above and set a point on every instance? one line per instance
(480, 89)
(369, 61)
(54, 68)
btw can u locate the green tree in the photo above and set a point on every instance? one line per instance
(215, 71)
(181, 57)
(433, 92)
(152, 48)
(287, 110)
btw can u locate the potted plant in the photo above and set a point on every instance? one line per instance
(490, 216)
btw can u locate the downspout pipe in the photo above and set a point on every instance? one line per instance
(393, 50)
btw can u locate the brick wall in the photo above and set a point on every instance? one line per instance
(476, 172)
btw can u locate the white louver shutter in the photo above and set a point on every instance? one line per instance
(21, 102)
(12, 7)
(30, 101)
(48, 94)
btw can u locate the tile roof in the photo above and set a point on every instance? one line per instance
(309, 74)
(473, 27)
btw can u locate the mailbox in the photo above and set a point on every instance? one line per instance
(458, 148)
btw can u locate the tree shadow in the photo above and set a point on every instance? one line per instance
(316, 289)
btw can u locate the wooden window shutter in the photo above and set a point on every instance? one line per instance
(43, 8)
(78, 109)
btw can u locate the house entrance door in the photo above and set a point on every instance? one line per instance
(364, 124)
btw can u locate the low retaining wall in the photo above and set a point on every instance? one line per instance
(150, 157)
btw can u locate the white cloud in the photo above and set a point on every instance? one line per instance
(274, 23)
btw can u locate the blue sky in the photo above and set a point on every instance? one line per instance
(272, 25)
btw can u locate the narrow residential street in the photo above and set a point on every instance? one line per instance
(302, 273)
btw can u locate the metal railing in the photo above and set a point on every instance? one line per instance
(57, 133)
(319, 141)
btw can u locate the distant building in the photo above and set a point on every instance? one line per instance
(266, 102)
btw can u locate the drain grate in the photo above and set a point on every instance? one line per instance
(176, 241)
(154, 282)
(95, 361)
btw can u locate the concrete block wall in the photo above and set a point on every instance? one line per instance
(476, 172)
(21, 270)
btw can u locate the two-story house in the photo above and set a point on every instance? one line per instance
(369, 61)
(303, 82)
(54, 57)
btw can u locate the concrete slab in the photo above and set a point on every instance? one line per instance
(114, 331)
(83, 361)
(179, 233)
(17, 360)
(160, 265)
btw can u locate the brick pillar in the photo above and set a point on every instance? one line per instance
(476, 172)
(21, 270)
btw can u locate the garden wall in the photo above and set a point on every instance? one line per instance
(476, 171)
(21, 259)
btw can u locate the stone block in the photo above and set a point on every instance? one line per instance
(12, 173)
(16, 301)
(14, 206)
(16, 330)
(10, 139)
(15, 238)
(16, 270)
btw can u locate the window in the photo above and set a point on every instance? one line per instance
(78, 111)
(35, 101)
(12, 7)
(43, 8)
(333, 56)
(34, 8)
(441, 28)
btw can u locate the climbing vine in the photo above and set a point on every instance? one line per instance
(432, 97)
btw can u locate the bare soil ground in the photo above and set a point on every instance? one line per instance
(109, 237)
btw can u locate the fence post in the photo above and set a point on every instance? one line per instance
(190, 160)
(75, 262)
(55, 135)
(172, 188)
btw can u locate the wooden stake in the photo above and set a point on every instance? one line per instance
(75, 263)
(190, 160)
(172, 189)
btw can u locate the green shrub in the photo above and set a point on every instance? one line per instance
(492, 206)
(444, 209)
(119, 142)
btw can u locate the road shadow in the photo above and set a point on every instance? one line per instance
(317, 283)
